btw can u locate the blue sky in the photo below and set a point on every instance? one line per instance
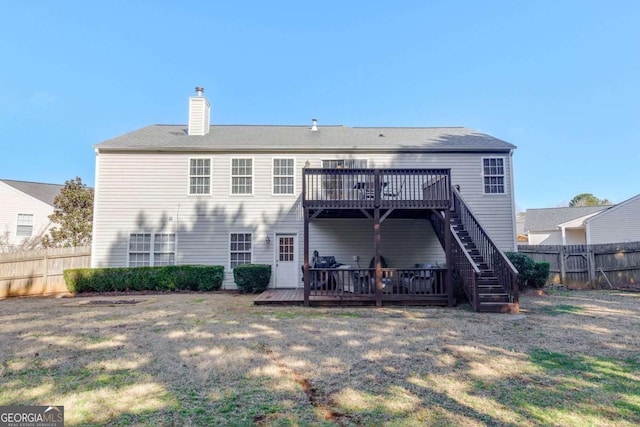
(558, 79)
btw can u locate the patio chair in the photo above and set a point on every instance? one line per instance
(421, 282)
(393, 191)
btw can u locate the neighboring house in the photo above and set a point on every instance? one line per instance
(619, 223)
(26, 207)
(229, 195)
(585, 224)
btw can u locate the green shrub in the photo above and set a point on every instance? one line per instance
(530, 273)
(251, 278)
(540, 274)
(166, 278)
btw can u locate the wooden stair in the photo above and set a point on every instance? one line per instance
(492, 296)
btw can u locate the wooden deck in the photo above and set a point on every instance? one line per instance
(296, 297)
(345, 189)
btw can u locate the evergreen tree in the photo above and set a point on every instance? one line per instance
(73, 216)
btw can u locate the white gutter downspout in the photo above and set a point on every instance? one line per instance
(513, 203)
(96, 201)
(564, 235)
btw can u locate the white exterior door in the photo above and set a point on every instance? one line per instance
(286, 261)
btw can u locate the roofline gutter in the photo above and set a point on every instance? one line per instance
(347, 150)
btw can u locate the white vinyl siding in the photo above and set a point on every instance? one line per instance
(283, 176)
(200, 176)
(15, 202)
(493, 174)
(405, 242)
(242, 176)
(153, 198)
(616, 225)
(239, 249)
(25, 225)
(141, 255)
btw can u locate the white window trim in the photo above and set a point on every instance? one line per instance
(152, 248)
(137, 252)
(253, 176)
(189, 194)
(366, 159)
(32, 216)
(273, 176)
(229, 246)
(504, 176)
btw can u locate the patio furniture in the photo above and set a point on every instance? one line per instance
(393, 191)
(420, 281)
(367, 190)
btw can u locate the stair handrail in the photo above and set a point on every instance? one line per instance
(469, 284)
(471, 289)
(502, 268)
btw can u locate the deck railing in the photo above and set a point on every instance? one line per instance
(376, 188)
(465, 272)
(359, 283)
(495, 259)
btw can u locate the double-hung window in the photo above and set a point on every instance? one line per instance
(242, 176)
(200, 176)
(239, 249)
(25, 225)
(493, 174)
(283, 176)
(164, 249)
(146, 249)
(139, 250)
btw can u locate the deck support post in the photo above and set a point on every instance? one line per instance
(376, 251)
(448, 250)
(307, 283)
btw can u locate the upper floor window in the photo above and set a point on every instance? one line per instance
(200, 176)
(493, 173)
(337, 186)
(283, 176)
(239, 249)
(142, 255)
(344, 164)
(25, 225)
(241, 176)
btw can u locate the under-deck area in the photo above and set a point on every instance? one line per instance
(376, 195)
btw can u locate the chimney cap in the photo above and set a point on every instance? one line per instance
(199, 90)
(314, 124)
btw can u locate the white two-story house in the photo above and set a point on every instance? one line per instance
(26, 207)
(387, 203)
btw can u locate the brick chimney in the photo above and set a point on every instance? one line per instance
(199, 114)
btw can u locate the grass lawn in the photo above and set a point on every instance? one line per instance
(570, 359)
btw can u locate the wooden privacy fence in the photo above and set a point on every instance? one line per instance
(597, 266)
(39, 272)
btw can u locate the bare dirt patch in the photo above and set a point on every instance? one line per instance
(569, 358)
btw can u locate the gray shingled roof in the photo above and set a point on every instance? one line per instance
(44, 192)
(549, 218)
(238, 138)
